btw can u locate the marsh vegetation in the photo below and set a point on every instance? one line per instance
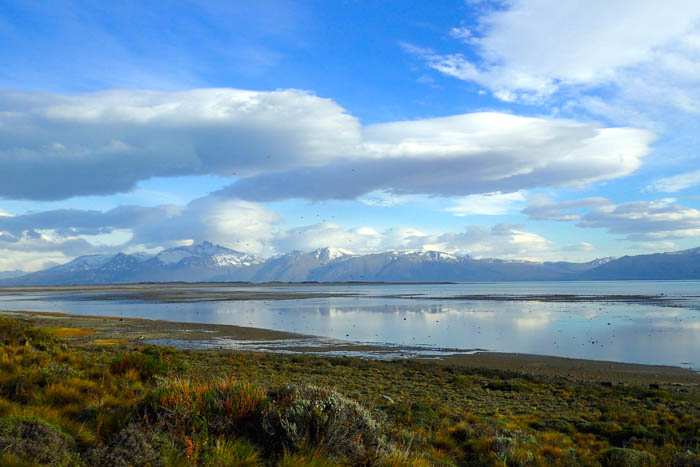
(69, 403)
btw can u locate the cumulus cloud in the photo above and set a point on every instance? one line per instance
(358, 240)
(502, 240)
(237, 224)
(34, 249)
(637, 220)
(58, 236)
(676, 182)
(287, 144)
(527, 50)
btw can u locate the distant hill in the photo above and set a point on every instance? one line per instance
(659, 266)
(9, 274)
(209, 262)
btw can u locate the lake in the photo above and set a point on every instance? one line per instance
(651, 322)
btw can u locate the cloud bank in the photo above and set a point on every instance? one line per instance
(28, 241)
(55, 146)
(290, 144)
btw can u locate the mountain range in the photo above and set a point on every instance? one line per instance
(207, 262)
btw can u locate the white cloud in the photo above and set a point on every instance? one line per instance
(290, 144)
(60, 235)
(384, 199)
(580, 246)
(462, 33)
(490, 204)
(111, 140)
(33, 249)
(461, 155)
(660, 219)
(542, 208)
(638, 220)
(237, 224)
(502, 240)
(676, 182)
(655, 246)
(358, 240)
(528, 50)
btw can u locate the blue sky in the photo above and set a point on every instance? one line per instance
(542, 130)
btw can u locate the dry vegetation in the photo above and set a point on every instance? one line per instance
(68, 404)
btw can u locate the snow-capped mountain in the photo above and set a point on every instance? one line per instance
(83, 263)
(209, 262)
(298, 266)
(218, 255)
(328, 254)
(195, 263)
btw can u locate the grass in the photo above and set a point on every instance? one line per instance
(64, 404)
(68, 332)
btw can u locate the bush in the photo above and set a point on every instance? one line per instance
(621, 457)
(218, 407)
(305, 416)
(33, 439)
(509, 386)
(238, 453)
(146, 365)
(131, 446)
(13, 332)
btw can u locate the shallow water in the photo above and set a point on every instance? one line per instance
(665, 330)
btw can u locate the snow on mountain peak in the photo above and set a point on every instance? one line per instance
(83, 263)
(430, 255)
(599, 261)
(329, 253)
(220, 255)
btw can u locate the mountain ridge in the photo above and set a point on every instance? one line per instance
(207, 262)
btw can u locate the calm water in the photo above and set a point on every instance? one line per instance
(660, 332)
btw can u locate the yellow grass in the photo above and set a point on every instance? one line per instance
(107, 341)
(68, 332)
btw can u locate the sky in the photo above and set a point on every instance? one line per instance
(539, 130)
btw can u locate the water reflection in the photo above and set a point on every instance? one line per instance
(628, 332)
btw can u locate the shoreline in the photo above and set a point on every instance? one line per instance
(114, 331)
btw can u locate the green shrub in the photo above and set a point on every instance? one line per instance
(306, 416)
(621, 457)
(33, 439)
(146, 365)
(131, 446)
(14, 332)
(509, 386)
(416, 413)
(238, 453)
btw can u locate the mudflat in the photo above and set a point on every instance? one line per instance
(172, 292)
(113, 331)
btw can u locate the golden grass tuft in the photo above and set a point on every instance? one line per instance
(108, 342)
(69, 332)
